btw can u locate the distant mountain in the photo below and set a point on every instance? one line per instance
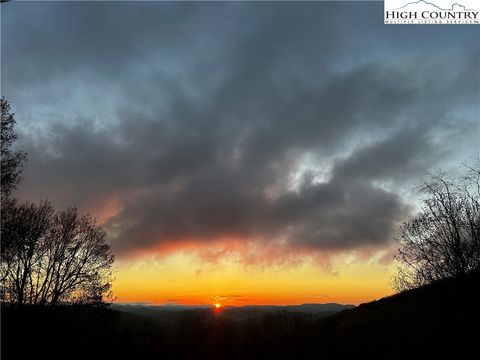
(171, 313)
(440, 320)
(307, 308)
(166, 307)
(312, 308)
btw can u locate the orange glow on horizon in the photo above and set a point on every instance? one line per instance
(217, 305)
(183, 278)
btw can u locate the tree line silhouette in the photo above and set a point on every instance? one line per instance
(443, 239)
(48, 256)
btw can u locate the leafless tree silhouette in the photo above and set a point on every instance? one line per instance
(47, 256)
(443, 240)
(11, 161)
(50, 256)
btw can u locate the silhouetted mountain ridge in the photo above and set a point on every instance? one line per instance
(170, 314)
(428, 322)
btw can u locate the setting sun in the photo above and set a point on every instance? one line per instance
(217, 305)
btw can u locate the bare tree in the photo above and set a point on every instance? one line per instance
(51, 257)
(23, 227)
(47, 256)
(443, 240)
(11, 162)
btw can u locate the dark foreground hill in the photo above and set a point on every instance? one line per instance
(435, 321)
(440, 319)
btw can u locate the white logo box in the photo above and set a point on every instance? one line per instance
(430, 12)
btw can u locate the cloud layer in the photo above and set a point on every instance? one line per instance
(270, 123)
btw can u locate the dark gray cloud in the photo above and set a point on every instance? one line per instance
(399, 157)
(178, 122)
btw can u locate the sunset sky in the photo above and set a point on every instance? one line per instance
(239, 153)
